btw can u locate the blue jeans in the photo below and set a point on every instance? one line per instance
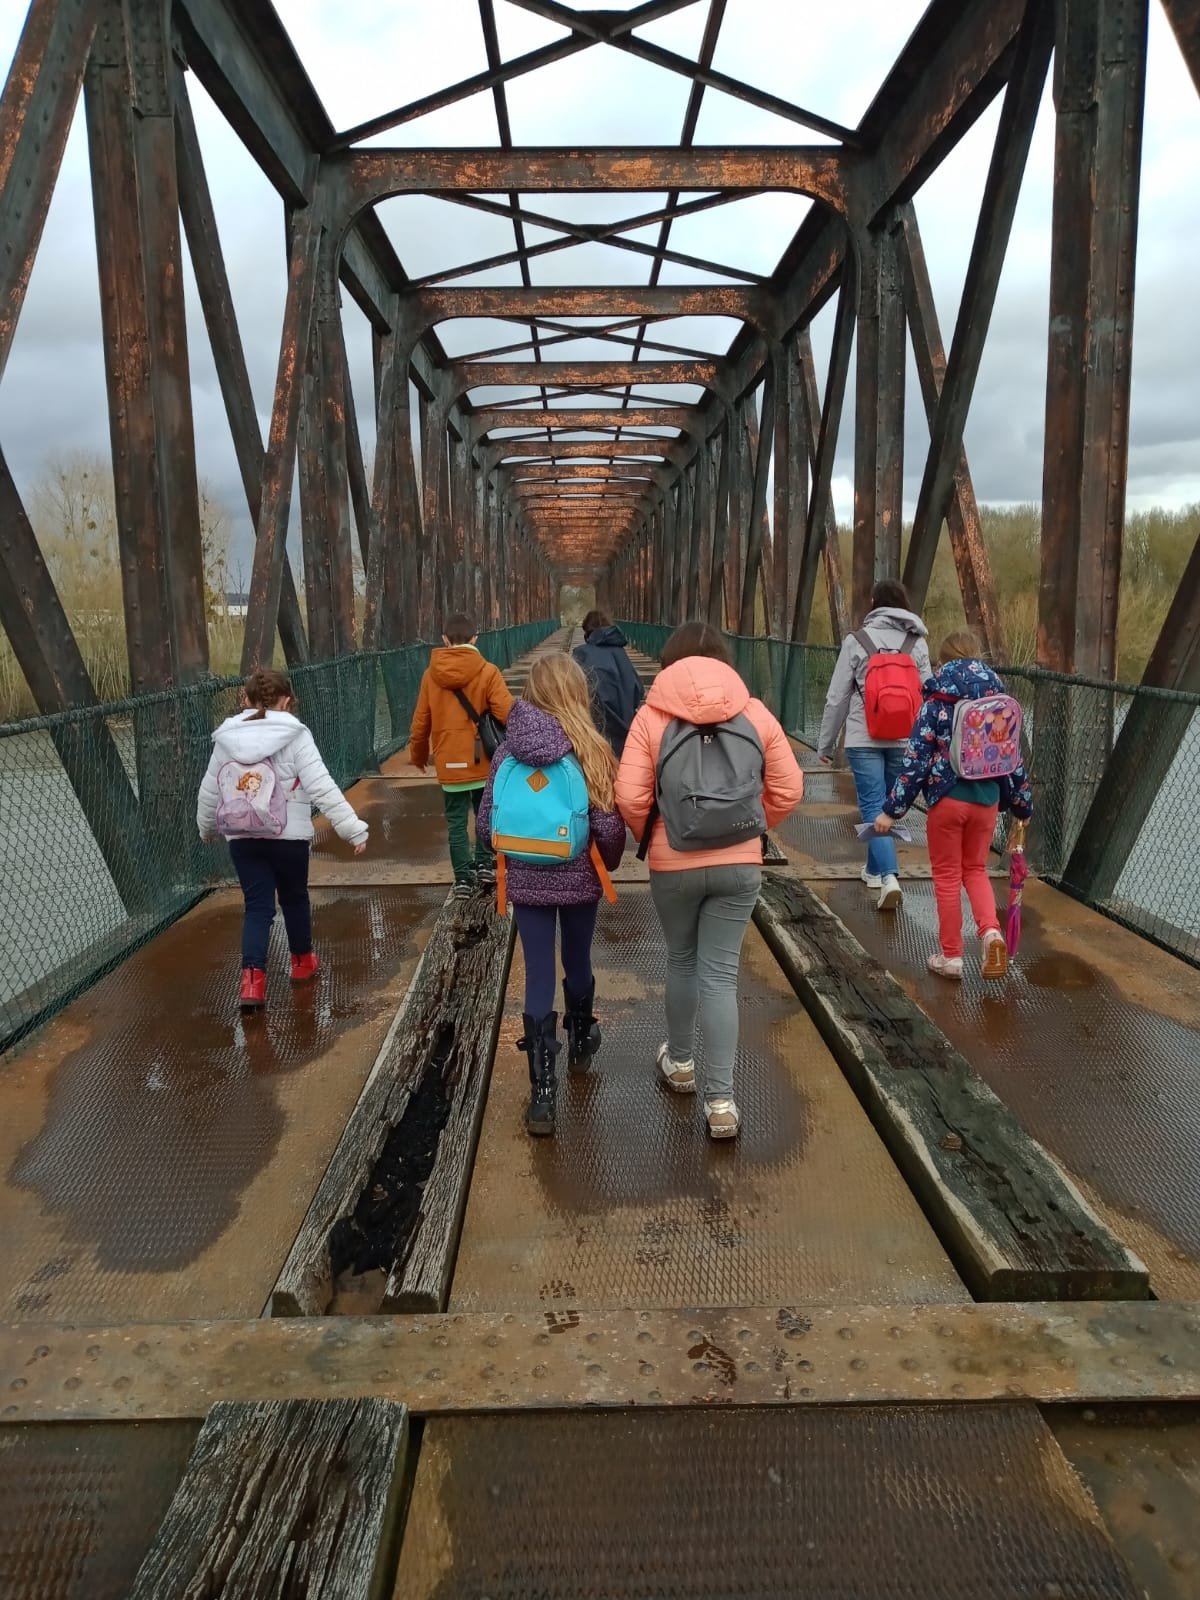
(875, 769)
(266, 869)
(537, 926)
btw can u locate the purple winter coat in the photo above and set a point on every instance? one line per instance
(533, 736)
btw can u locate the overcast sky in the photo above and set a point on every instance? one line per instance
(371, 55)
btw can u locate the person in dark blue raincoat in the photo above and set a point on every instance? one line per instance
(616, 688)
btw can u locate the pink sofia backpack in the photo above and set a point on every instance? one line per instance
(251, 804)
(986, 741)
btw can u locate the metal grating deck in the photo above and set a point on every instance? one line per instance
(159, 1151)
(870, 1503)
(633, 1205)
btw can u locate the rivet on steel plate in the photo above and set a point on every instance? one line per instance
(143, 1349)
(645, 1338)
(909, 1364)
(42, 1351)
(441, 1341)
(18, 1383)
(804, 1366)
(858, 1364)
(1166, 1361)
(845, 1333)
(539, 1371)
(646, 1368)
(72, 1383)
(435, 1375)
(122, 1382)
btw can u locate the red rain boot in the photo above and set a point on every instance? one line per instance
(305, 968)
(254, 989)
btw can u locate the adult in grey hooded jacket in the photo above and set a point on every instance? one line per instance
(875, 764)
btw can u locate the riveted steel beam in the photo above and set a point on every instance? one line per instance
(578, 374)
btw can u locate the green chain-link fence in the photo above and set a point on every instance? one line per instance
(1129, 856)
(98, 844)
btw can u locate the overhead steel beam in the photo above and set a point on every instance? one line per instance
(574, 420)
(568, 374)
(428, 307)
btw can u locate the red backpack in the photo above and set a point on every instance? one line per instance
(891, 689)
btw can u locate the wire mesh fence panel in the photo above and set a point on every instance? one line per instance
(98, 841)
(1114, 768)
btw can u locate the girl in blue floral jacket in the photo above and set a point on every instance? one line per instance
(962, 813)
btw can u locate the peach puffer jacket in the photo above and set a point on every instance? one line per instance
(698, 689)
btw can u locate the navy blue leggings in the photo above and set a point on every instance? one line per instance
(537, 926)
(266, 868)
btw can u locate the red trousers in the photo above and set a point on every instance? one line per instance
(960, 836)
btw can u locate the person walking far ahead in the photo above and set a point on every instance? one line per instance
(548, 810)
(875, 695)
(263, 779)
(461, 711)
(616, 688)
(706, 771)
(964, 756)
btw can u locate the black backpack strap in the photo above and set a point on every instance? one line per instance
(651, 819)
(475, 716)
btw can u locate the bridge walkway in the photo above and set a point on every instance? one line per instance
(160, 1154)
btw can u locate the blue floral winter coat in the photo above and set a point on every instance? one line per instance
(533, 736)
(926, 768)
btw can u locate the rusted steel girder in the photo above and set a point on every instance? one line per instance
(582, 374)
(576, 419)
(1001, 192)
(524, 472)
(879, 419)
(507, 452)
(131, 137)
(36, 111)
(431, 306)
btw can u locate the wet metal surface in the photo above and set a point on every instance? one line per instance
(875, 1503)
(822, 829)
(159, 1150)
(408, 827)
(1094, 1043)
(79, 1506)
(631, 1204)
(559, 1358)
(1141, 1464)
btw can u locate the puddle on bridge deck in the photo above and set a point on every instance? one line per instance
(159, 1150)
(1093, 1042)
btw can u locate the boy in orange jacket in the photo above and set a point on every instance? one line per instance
(456, 673)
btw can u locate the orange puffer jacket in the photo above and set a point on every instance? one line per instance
(440, 721)
(698, 689)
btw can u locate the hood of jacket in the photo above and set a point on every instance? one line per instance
(699, 689)
(455, 666)
(963, 680)
(534, 736)
(607, 638)
(248, 738)
(894, 619)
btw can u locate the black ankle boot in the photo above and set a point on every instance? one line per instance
(541, 1046)
(583, 1035)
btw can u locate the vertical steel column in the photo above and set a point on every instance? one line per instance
(764, 439)
(791, 478)
(879, 418)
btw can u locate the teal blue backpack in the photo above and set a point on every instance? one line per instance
(540, 814)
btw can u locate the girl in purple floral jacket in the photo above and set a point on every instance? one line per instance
(962, 813)
(553, 720)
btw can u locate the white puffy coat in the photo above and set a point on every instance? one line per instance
(248, 738)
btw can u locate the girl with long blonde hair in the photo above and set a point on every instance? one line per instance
(551, 725)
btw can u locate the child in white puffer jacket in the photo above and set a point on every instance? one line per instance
(264, 778)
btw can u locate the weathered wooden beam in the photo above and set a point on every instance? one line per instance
(48, 655)
(1001, 192)
(1013, 1223)
(292, 1497)
(971, 560)
(279, 466)
(36, 110)
(220, 316)
(438, 1053)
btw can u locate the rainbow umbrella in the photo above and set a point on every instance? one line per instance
(1018, 871)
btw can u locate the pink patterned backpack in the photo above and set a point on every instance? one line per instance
(252, 804)
(986, 741)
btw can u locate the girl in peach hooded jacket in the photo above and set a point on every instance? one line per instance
(704, 898)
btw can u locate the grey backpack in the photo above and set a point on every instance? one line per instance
(708, 785)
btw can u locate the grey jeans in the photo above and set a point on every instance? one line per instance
(704, 912)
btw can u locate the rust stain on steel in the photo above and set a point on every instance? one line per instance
(158, 1148)
(562, 1356)
(1141, 1465)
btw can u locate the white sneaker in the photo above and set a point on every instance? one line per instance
(993, 962)
(679, 1075)
(871, 879)
(946, 966)
(890, 893)
(722, 1118)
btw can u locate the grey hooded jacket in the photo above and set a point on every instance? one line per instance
(889, 626)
